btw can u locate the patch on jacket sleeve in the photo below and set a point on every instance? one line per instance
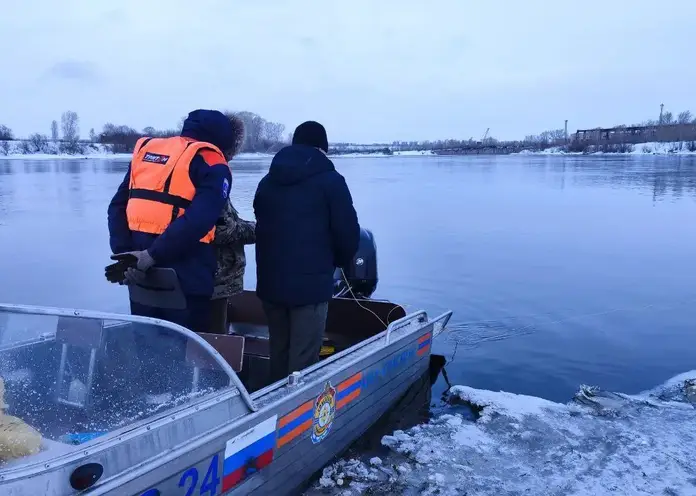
(225, 188)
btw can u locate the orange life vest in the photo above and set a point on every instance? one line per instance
(160, 185)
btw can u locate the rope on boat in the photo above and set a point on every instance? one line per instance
(350, 290)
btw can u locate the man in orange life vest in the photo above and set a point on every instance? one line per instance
(165, 211)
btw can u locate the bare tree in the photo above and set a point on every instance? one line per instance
(70, 124)
(4, 147)
(38, 143)
(557, 135)
(151, 132)
(684, 117)
(180, 125)
(121, 138)
(92, 136)
(667, 118)
(273, 131)
(6, 133)
(545, 137)
(54, 130)
(254, 124)
(253, 127)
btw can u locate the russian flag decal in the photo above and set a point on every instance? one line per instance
(248, 453)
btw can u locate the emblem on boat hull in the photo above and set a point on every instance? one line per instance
(324, 412)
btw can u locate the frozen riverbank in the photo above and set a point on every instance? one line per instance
(599, 443)
(103, 152)
(652, 148)
(14, 150)
(407, 153)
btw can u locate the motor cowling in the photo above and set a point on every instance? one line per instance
(361, 275)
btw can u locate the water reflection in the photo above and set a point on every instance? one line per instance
(6, 191)
(112, 167)
(62, 166)
(71, 166)
(249, 166)
(660, 176)
(37, 167)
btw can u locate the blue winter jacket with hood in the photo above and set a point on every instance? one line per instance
(306, 226)
(179, 247)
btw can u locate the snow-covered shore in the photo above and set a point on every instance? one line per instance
(14, 151)
(51, 151)
(108, 156)
(599, 443)
(652, 148)
(20, 150)
(406, 153)
(103, 152)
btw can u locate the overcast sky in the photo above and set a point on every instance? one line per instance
(370, 70)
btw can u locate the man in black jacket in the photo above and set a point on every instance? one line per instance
(305, 227)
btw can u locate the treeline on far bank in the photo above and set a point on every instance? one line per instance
(260, 135)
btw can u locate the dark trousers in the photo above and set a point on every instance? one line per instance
(295, 335)
(218, 316)
(161, 351)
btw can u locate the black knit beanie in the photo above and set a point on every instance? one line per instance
(311, 133)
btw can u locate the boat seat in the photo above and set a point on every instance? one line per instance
(77, 335)
(160, 289)
(246, 329)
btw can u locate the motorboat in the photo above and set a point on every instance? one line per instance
(116, 412)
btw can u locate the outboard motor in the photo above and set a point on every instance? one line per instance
(360, 279)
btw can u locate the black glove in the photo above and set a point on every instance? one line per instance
(140, 260)
(116, 272)
(130, 267)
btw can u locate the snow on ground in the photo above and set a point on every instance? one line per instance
(677, 148)
(652, 148)
(405, 153)
(93, 151)
(554, 150)
(62, 156)
(109, 156)
(14, 151)
(253, 156)
(600, 443)
(103, 152)
(408, 153)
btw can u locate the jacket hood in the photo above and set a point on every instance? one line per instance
(211, 126)
(296, 163)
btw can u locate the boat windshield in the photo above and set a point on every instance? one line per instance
(74, 378)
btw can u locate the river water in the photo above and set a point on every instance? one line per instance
(561, 271)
